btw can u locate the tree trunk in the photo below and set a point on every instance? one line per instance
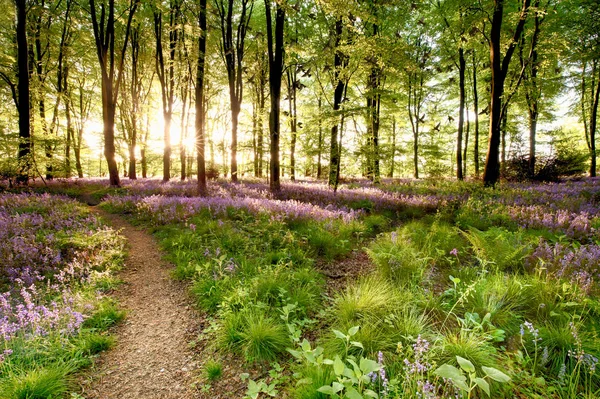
(292, 79)
(104, 37)
(233, 55)
(200, 111)
(276, 64)
(476, 111)
(339, 63)
(23, 91)
(70, 130)
(499, 68)
(593, 126)
(462, 66)
(467, 131)
(320, 144)
(393, 155)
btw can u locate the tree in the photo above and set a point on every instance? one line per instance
(233, 55)
(200, 122)
(340, 63)
(499, 68)
(583, 27)
(111, 66)
(276, 50)
(23, 93)
(166, 74)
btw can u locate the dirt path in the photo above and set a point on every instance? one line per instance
(152, 358)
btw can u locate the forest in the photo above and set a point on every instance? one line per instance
(299, 199)
(317, 89)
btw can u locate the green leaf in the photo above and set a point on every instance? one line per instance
(455, 375)
(337, 387)
(483, 384)
(495, 374)
(540, 381)
(339, 334)
(327, 390)
(368, 366)
(353, 394)
(296, 354)
(465, 364)
(371, 394)
(352, 331)
(305, 345)
(357, 344)
(338, 366)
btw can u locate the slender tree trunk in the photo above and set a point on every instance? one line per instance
(23, 92)
(462, 66)
(476, 111)
(276, 64)
(70, 130)
(393, 155)
(200, 122)
(467, 130)
(292, 78)
(320, 144)
(104, 36)
(143, 147)
(499, 68)
(593, 124)
(260, 138)
(254, 134)
(339, 63)
(182, 137)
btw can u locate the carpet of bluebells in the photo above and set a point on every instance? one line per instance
(53, 253)
(464, 291)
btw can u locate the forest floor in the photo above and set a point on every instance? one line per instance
(152, 358)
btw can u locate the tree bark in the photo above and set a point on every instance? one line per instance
(338, 95)
(499, 68)
(233, 55)
(462, 66)
(593, 125)
(23, 92)
(476, 111)
(320, 144)
(276, 64)
(393, 155)
(292, 80)
(200, 111)
(104, 35)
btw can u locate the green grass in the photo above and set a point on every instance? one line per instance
(262, 337)
(213, 370)
(39, 383)
(106, 315)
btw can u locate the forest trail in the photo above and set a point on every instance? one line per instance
(152, 358)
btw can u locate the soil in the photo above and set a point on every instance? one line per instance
(152, 357)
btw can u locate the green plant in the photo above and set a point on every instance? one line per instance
(93, 344)
(459, 379)
(369, 298)
(39, 383)
(213, 370)
(500, 247)
(262, 337)
(107, 314)
(398, 259)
